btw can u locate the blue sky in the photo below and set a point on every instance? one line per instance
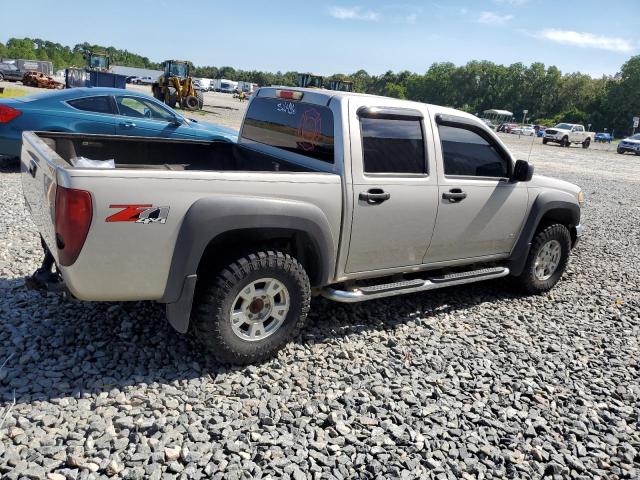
(591, 36)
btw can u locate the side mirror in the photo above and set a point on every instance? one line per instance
(177, 121)
(522, 171)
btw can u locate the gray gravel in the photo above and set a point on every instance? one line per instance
(473, 382)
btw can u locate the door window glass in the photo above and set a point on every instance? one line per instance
(139, 107)
(92, 104)
(468, 154)
(392, 145)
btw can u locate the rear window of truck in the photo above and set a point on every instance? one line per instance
(299, 127)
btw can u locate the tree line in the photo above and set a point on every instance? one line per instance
(549, 95)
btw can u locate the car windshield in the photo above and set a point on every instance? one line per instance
(564, 126)
(635, 137)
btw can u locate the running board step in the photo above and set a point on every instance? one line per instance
(361, 294)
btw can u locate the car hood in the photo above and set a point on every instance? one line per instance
(540, 181)
(630, 140)
(217, 132)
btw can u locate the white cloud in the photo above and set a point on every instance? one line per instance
(491, 18)
(353, 13)
(586, 40)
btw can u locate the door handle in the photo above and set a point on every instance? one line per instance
(374, 196)
(454, 195)
(127, 124)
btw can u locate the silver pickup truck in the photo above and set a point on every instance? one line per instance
(353, 197)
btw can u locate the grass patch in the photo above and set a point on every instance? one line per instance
(13, 92)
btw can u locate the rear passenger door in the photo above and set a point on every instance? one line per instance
(395, 191)
(480, 210)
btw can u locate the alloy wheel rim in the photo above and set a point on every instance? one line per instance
(259, 310)
(547, 260)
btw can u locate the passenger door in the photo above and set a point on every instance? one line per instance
(146, 118)
(395, 191)
(481, 211)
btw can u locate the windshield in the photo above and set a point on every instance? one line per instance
(178, 69)
(97, 61)
(635, 137)
(564, 126)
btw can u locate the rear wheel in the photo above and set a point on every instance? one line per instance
(586, 143)
(547, 259)
(200, 96)
(252, 308)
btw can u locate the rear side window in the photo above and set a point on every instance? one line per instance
(392, 145)
(468, 154)
(92, 104)
(298, 127)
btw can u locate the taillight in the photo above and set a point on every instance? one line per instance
(74, 211)
(289, 94)
(8, 113)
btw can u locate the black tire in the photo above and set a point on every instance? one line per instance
(200, 97)
(211, 318)
(586, 143)
(565, 142)
(1, 77)
(544, 141)
(191, 103)
(171, 97)
(528, 279)
(621, 152)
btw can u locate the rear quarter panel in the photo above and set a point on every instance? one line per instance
(131, 261)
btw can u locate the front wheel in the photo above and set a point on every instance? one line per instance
(1, 77)
(586, 143)
(200, 97)
(544, 141)
(252, 308)
(565, 142)
(547, 260)
(621, 152)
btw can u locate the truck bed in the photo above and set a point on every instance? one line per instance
(164, 154)
(179, 177)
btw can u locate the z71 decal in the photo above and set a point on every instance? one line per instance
(139, 213)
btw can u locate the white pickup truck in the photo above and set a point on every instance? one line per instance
(353, 197)
(567, 134)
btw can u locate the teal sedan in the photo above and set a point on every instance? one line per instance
(104, 111)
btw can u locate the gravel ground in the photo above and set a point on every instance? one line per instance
(471, 382)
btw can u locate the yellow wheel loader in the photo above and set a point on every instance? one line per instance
(175, 87)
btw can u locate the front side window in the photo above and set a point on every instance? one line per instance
(141, 108)
(92, 104)
(299, 127)
(392, 145)
(468, 154)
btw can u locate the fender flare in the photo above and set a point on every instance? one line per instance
(215, 215)
(544, 203)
